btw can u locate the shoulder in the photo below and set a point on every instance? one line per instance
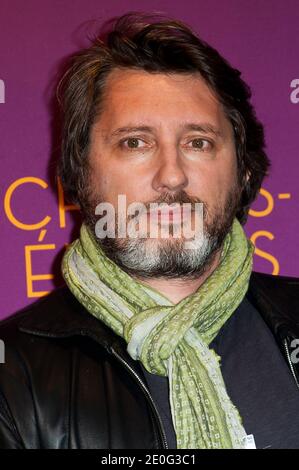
(36, 331)
(21, 348)
(277, 299)
(53, 318)
(275, 280)
(59, 301)
(279, 289)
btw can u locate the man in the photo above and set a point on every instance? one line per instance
(154, 342)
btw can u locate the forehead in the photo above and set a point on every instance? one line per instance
(134, 96)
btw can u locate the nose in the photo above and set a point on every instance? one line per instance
(170, 175)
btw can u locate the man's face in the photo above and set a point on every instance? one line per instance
(163, 138)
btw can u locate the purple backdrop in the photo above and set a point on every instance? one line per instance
(261, 38)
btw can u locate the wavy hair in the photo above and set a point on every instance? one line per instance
(154, 43)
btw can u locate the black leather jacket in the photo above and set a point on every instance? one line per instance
(68, 382)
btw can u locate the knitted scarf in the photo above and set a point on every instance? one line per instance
(172, 339)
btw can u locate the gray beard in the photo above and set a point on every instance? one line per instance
(168, 258)
(161, 258)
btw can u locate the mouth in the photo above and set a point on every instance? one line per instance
(165, 216)
(174, 215)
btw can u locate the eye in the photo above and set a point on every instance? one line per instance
(201, 145)
(132, 143)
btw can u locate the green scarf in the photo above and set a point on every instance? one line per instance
(172, 339)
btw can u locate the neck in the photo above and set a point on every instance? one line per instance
(177, 289)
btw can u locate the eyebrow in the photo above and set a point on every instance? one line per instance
(205, 128)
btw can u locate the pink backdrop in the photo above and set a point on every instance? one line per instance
(260, 37)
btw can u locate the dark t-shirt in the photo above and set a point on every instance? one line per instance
(257, 380)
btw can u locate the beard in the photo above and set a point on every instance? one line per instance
(168, 258)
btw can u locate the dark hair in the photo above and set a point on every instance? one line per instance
(154, 43)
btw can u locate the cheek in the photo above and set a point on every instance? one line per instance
(213, 184)
(103, 177)
(111, 181)
(228, 168)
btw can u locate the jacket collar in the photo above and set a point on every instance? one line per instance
(60, 315)
(276, 299)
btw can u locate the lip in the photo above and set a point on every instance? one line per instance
(166, 215)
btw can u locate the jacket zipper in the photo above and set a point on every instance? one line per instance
(148, 395)
(285, 343)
